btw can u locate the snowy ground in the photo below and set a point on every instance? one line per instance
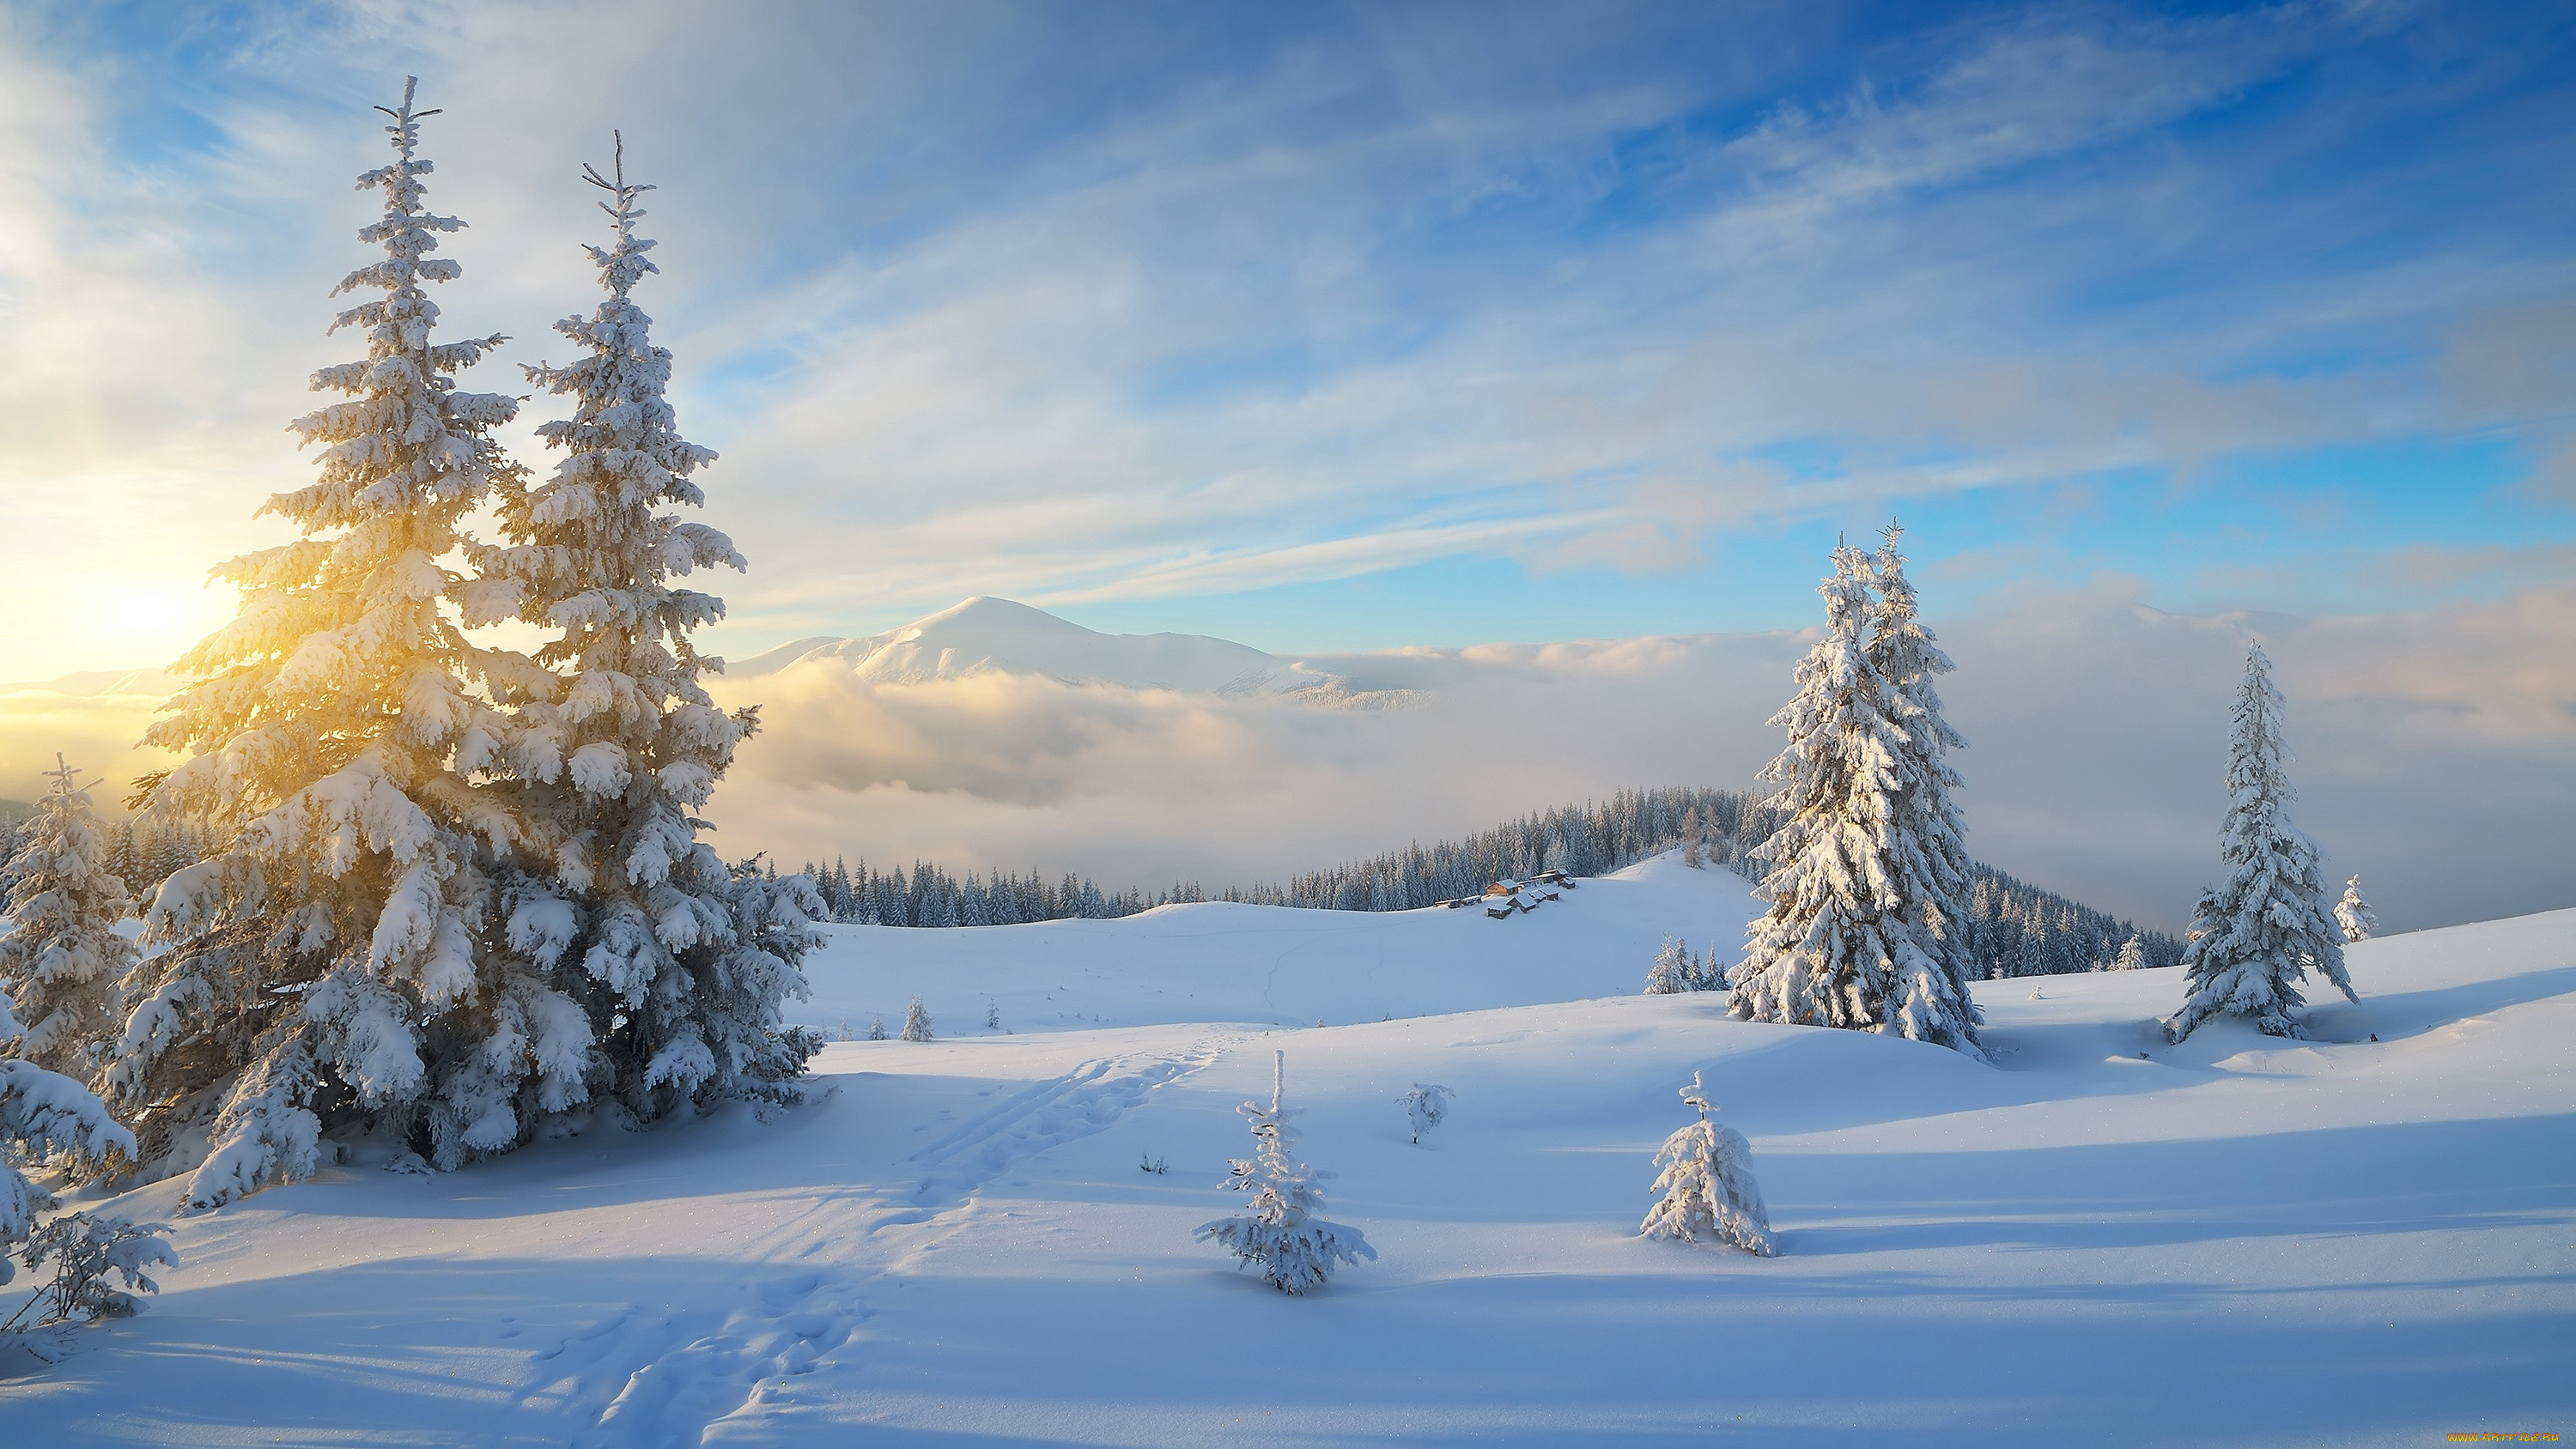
(2239, 1241)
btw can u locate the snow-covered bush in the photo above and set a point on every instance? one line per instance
(1426, 1107)
(2354, 914)
(1707, 1187)
(43, 1114)
(1860, 866)
(84, 1251)
(916, 1022)
(2258, 934)
(1296, 1250)
(61, 960)
(324, 955)
(876, 1028)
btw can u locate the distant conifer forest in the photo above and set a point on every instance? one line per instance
(2015, 929)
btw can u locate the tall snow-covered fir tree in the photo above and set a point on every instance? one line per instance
(2354, 915)
(2255, 936)
(324, 954)
(62, 963)
(1840, 945)
(1927, 848)
(683, 967)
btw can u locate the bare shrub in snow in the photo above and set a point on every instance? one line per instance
(1296, 1250)
(2255, 936)
(1707, 1186)
(1426, 1107)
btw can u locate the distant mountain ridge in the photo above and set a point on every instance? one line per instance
(986, 635)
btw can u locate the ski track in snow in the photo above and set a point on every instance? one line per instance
(640, 1378)
(699, 1367)
(1081, 1103)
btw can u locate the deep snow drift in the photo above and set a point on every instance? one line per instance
(2099, 1239)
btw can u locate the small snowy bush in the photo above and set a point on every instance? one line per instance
(1295, 1250)
(1671, 974)
(1426, 1106)
(1707, 1185)
(2354, 914)
(916, 1022)
(84, 1250)
(876, 1028)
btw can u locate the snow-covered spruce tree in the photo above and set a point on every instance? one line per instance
(62, 962)
(1707, 1185)
(2354, 914)
(681, 966)
(1927, 848)
(2257, 935)
(1671, 973)
(916, 1021)
(1709, 974)
(323, 958)
(2133, 955)
(1840, 945)
(1295, 1250)
(876, 1029)
(1426, 1107)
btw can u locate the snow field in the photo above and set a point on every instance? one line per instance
(2238, 1241)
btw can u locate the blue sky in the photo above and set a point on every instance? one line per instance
(1349, 327)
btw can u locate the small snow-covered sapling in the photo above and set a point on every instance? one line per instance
(84, 1250)
(876, 1029)
(992, 1016)
(1426, 1106)
(916, 1021)
(1148, 1162)
(1295, 1249)
(1707, 1185)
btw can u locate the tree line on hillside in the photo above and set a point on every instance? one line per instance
(2014, 928)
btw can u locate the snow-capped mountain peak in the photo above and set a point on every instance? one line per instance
(986, 635)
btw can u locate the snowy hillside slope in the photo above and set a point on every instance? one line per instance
(1257, 964)
(2241, 1241)
(987, 635)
